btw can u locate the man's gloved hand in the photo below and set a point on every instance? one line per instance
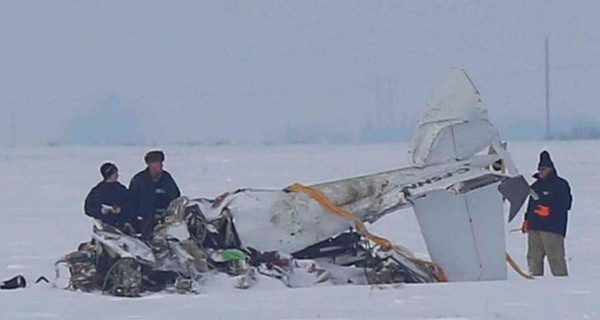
(525, 226)
(542, 211)
(116, 210)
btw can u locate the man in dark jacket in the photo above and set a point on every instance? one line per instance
(151, 190)
(546, 219)
(108, 201)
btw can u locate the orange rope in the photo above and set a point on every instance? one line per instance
(360, 227)
(516, 267)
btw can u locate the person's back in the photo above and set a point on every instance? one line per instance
(109, 200)
(151, 189)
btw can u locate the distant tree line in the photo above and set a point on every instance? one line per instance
(579, 132)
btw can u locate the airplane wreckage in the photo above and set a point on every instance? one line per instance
(461, 174)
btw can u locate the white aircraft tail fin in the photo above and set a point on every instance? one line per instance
(464, 232)
(454, 126)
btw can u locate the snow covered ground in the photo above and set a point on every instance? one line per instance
(43, 191)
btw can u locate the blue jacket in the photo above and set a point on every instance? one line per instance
(110, 194)
(148, 195)
(550, 211)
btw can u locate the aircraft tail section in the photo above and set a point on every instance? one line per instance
(464, 232)
(454, 126)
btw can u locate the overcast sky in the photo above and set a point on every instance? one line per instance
(248, 71)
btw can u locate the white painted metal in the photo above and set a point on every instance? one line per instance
(464, 233)
(454, 126)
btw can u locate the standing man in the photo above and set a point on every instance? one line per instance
(546, 219)
(108, 201)
(151, 189)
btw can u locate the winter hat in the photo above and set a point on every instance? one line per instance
(545, 160)
(154, 156)
(108, 169)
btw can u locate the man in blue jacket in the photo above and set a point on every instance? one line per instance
(546, 219)
(151, 190)
(108, 201)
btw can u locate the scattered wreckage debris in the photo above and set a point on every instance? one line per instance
(13, 283)
(121, 265)
(460, 175)
(19, 281)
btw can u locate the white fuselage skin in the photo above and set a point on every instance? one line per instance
(288, 221)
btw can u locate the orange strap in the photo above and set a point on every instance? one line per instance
(515, 267)
(385, 244)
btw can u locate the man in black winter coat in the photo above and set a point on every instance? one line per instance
(546, 219)
(109, 200)
(151, 190)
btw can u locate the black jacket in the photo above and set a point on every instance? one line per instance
(148, 195)
(110, 194)
(554, 194)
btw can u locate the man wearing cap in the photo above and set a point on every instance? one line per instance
(151, 190)
(546, 219)
(108, 201)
